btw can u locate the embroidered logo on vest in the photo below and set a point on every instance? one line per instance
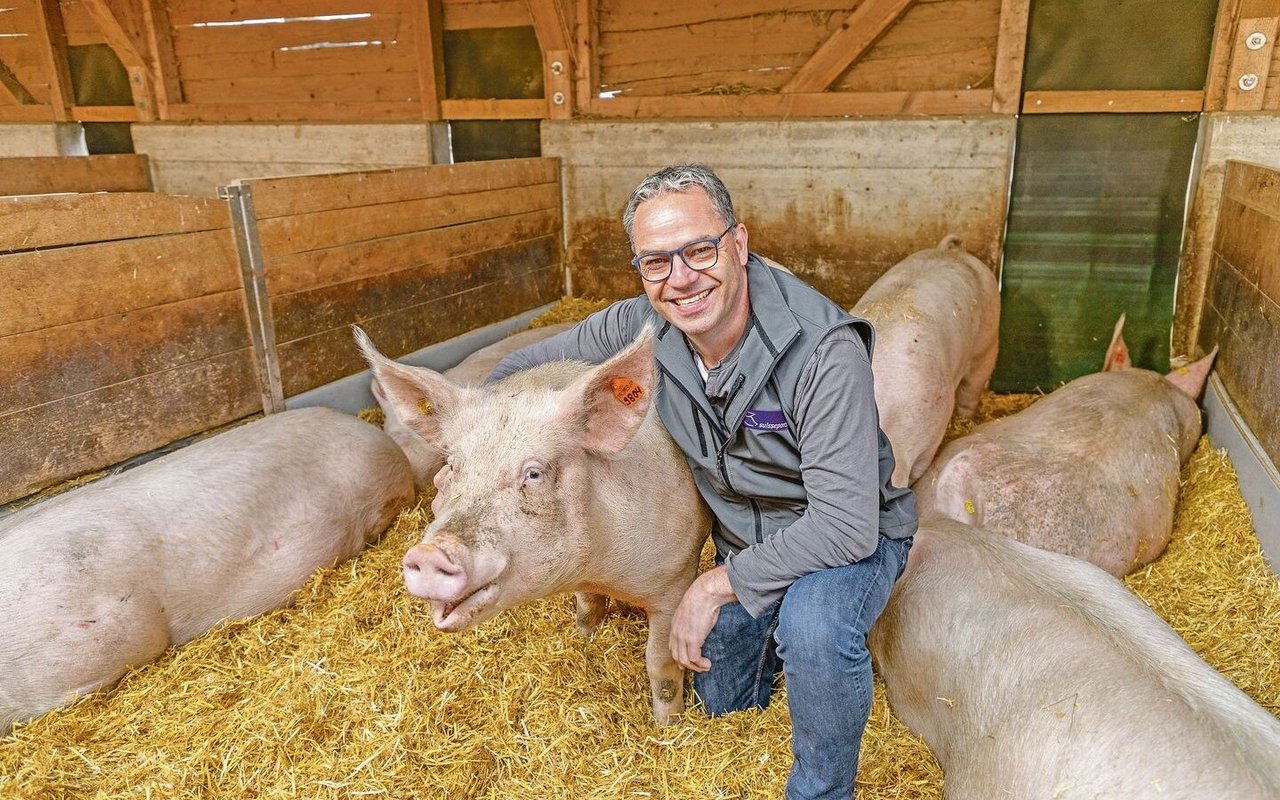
(761, 419)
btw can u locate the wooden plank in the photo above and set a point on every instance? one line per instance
(313, 111)
(535, 108)
(51, 363)
(856, 35)
(191, 12)
(466, 15)
(390, 87)
(301, 314)
(37, 223)
(339, 227)
(328, 355)
(41, 113)
(11, 88)
(379, 27)
(558, 79)
(164, 63)
(370, 61)
(587, 43)
(48, 174)
(53, 41)
(1011, 51)
(381, 144)
(1248, 234)
(428, 40)
(1111, 101)
(299, 272)
(312, 193)
(1253, 185)
(69, 284)
(655, 14)
(56, 441)
(819, 104)
(108, 114)
(1250, 65)
(552, 24)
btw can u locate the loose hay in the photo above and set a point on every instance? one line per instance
(352, 693)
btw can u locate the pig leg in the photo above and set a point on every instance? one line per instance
(666, 677)
(589, 610)
(969, 392)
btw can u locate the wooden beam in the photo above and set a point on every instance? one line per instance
(428, 39)
(105, 114)
(164, 64)
(1111, 101)
(12, 88)
(855, 36)
(588, 60)
(113, 20)
(1224, 26)
(48, 174)
(551, 23)
(1251, 49)
(535, 108)
(559, 84)
(301, 111)
(785, 106)
(1011, 49)
(51, 37)
(40, 113)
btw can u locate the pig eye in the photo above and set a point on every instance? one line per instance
(533, 474)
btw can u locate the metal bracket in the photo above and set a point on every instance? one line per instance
(257, 304)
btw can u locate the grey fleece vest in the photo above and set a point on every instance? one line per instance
(747, 468)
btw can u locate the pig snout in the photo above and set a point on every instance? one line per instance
(429, 573)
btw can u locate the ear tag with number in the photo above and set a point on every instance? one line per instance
(626, 390)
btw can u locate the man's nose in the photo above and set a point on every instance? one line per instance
(681, 273)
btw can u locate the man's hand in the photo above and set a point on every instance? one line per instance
(697, 615)
(441, 481)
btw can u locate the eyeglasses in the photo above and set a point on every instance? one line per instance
(699, 255)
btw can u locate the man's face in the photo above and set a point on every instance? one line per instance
(708, 306)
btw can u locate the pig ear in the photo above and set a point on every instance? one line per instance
(1192, 377)
(1118, 352)
(610, 402)
(420, 398)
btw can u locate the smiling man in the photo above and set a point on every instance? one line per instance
(766, 386)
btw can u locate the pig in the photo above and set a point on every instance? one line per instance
(108, 575)
(471, 371)
(937, 315)
(562, 479)
(1090, 470)
(1031, 674)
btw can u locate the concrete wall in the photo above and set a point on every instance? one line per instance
(196, 159)
(42, 139)
(837, 201)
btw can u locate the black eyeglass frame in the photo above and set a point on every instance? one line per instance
(714, 241)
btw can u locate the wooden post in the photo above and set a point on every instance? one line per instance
(164, 64)
(1011, 49)
(51, 33)
(428, 37)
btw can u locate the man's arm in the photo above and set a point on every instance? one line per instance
(839, 462)
(593, 340)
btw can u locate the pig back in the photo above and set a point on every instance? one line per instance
(1091, 470)
(1031, 674)
(111, 573)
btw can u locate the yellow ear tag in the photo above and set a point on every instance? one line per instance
(626, 390)
(969, 507)
(424, 406)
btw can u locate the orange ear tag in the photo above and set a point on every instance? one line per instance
(626, 390)
(424, 406)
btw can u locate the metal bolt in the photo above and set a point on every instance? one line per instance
(1256, 40)
(558, 98)
(1248, 82)
(556, 68)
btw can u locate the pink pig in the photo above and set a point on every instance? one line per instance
(936, 315)
(562, 480)
(1091, 470)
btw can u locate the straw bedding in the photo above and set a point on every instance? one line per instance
(352, 693)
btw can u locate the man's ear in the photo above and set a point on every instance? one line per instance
(419, 397)
(608, 404)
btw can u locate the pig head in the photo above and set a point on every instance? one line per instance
(561, 479)
(1091, 470)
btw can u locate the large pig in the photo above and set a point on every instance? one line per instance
(471, 371)
(1091, 470)
(1035, 675)
(109, 575)
(937, 316)
(562, 480)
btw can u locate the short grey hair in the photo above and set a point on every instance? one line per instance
(680, 178)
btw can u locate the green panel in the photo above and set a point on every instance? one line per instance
(98, 78)
(485, 140)
(1095, 225)
(1118, 44)
(501, 63)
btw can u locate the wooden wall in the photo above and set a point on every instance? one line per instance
(415, 256)
(1241, 313)
(838, 202)
(121, 329)
(51, 174)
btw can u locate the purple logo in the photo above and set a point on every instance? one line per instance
(765, 420)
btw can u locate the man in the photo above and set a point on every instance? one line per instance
(766, 386)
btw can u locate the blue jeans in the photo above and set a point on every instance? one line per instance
(817, 635)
